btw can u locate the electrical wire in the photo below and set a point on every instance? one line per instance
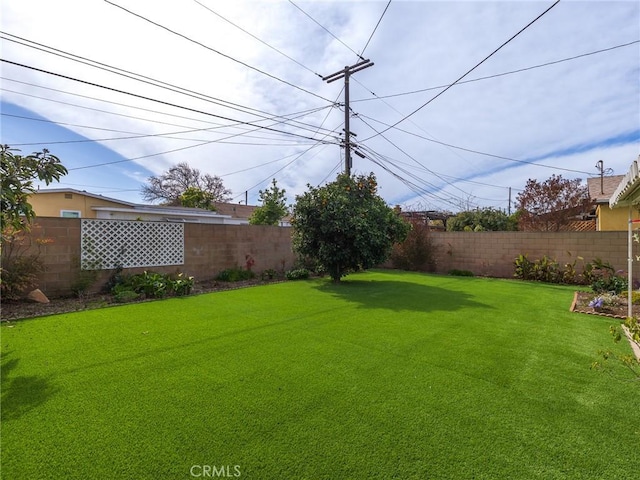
(497, 75)
(256, 38)
(471, 69)
(375, 28)
(146, 98)
(216, 51)
(325, 29)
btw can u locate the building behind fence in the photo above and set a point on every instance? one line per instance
(203, 250)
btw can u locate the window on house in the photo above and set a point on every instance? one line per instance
(70, 213)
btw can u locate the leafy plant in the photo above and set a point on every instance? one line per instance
(461, 273)
(20, 269)
(297, 274)
(181, 285)
(524, 267)
(153, 285)
(417, 251)
(269, 274)
(235, 274)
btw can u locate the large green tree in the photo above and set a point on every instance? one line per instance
(345, 225)
(18, 174)
(273, 206)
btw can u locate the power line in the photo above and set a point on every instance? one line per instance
(140, 78)
(325, 29)
(488, 77)
(471, 69)
(256, 38)
(470, 150)
(216, 51)
(375, 28)
(148, 98)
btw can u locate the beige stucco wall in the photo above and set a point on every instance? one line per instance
(50, 204)
(614, 219)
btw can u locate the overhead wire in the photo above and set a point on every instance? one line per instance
(229, 57)
(256, 38)
(496, 75)
(325, 29)
(471, 69)
(143, 97)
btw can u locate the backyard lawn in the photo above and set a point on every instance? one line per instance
(388, 375)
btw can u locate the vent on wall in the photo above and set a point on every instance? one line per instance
(68, 195)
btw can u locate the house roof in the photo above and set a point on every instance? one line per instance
(627, 191)
(84, 192)
(601, 188)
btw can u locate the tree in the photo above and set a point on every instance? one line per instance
(273, 208)
(18, 174)
(175, 182)
(480, 220)
(195, 198)
(345, 226)
(549, 205)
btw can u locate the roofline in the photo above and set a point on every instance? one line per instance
(162, 211)
(88, 194)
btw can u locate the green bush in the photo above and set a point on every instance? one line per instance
(152, 285)
(269, 274)
(461, 273)
(235, 274)
(297, 274)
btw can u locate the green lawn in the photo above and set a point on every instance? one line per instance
(389, 375)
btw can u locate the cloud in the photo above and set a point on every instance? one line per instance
(240, 90)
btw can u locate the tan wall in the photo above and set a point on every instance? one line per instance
(616, 219)
(212, 248)
(493, 253)
(208, 250)
(47, 204)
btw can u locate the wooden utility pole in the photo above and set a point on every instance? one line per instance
(346, 73)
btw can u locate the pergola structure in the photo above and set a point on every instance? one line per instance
(628, 195)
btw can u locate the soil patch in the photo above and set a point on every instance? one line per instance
(581, 305)
(27, 309)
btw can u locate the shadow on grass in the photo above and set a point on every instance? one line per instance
(400, 295)
(21, 394)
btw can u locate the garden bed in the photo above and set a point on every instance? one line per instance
(581, 302)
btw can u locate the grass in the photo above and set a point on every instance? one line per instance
(389, 375)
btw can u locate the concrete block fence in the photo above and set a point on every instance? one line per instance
(209, 249)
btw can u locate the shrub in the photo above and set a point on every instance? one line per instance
(604, 278)
(461, 273)
(297, 274)
(181, 285)
(235, 274)
(269, 274)
(151, 285)
(123, 293)
(19, 271)
(417, 251)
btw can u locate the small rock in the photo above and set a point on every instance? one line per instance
(37, 296)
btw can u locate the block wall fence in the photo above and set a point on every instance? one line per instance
(209, 249)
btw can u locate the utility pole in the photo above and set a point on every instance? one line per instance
(600, 166)
(346, 73)
(509, 201)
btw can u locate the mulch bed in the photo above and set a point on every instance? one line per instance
(581, 305)
(26, 309)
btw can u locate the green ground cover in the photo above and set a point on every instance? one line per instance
(389, 375)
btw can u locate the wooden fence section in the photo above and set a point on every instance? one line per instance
(209, 249)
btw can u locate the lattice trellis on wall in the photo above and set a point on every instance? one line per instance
(110, 243)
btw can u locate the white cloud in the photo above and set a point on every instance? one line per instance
(527, 115)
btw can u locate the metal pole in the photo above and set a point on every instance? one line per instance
(630, 265)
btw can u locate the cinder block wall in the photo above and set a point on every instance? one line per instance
(493, 253)
(212, 248)
(209, 249)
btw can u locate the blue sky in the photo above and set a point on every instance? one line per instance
(564, 93)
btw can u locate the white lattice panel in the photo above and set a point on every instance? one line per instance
(108, 243)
